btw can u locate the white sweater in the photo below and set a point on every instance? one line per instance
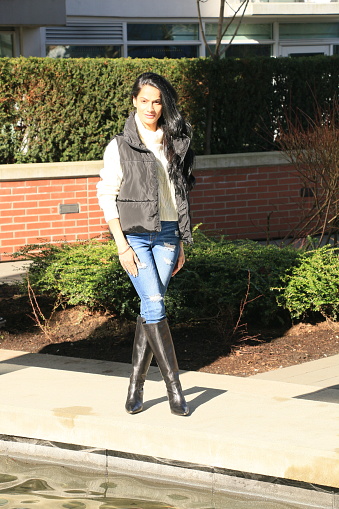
(111, 176)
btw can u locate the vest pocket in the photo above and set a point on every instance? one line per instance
(138, 216)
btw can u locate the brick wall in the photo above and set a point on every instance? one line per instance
(247, 196)
(30, 197)
(235, 194)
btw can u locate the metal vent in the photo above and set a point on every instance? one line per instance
(69, 208)
(81, 33)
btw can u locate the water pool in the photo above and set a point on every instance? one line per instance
(27, 485)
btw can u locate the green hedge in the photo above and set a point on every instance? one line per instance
(67, 110)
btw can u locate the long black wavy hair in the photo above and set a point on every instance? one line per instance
(172, 123)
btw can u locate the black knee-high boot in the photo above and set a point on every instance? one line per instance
(141, 360)
(160, 340)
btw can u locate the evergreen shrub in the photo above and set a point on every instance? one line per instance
(55, 110)
(221, 275)
(313, 285)
(212, 285)
(86, 273)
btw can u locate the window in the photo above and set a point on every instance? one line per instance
(162, 51)
(246, 50)
(162, 32)
(309, 30)
(61, 51)
(303, 55)
(85, 39)
(254, 31)
(254, 34)
(108, 38)
(6, 45)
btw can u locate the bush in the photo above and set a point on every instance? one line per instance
(313, 285)
(221, 275)
(215, 281)
(55, 110)
(87, 273)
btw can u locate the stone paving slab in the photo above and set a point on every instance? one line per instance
(323, 372)
(263, 427)
(12, 272)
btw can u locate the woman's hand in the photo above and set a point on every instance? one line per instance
(180, 260)
(129, 261)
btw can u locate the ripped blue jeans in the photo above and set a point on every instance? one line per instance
(158, 253)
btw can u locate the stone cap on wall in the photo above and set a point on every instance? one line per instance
(40, 171)
(240, 160)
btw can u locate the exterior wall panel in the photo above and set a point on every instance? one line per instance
(33, 13)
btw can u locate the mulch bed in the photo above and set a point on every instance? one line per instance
(76, 332)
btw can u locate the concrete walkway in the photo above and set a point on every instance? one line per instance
(273, 426)
(12, 272)
(275, 435)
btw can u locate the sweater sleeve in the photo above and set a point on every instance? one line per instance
(109, 186)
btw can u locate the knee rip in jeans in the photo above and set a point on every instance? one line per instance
(168, 261)
(142, 265)
(156, 298)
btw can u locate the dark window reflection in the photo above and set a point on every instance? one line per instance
(162, 32)
(83, 51)
(162, 51)
(246, 50)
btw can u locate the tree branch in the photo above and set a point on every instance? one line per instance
(245, 4)
(202, 28)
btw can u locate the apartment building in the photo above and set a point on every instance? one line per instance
(163, 28)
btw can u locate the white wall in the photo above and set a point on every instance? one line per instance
(141, 8)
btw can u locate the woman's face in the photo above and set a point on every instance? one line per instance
(149, 106)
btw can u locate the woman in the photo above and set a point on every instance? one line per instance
(144, 196)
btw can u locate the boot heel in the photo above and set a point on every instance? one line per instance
(176, 399)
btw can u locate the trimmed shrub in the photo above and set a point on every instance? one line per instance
(55, 110)
(87, 273)
(218, 276)
(313, 285)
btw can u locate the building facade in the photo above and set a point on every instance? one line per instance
(162, 28)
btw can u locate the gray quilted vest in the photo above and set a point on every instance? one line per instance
(137, 201)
